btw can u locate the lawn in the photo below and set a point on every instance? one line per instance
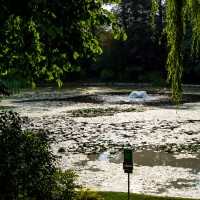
(124, 196)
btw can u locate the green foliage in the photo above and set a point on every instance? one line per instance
(65, 187)
(14, 80)
(191, 63)
(177, 13)
(4, 89)
(88, 194)
(45, 40)
(28, 167)
(12, 85)
(138, 53)
(175, 30)
(155, 77)
(107, 74)
(82, 74)
(124, 75)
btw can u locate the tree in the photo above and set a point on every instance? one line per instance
(44, 39)
(177, 14)
(139, 53)
(191, 63)
(141, 49)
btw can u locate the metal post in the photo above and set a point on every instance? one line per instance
(128, 186)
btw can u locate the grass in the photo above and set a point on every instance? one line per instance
(124, 196)
(12, 85)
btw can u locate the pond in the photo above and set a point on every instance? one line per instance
(155, 172)
(90, 126)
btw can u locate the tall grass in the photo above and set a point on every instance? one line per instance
(12, 85)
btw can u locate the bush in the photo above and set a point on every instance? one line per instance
(88, 194)
(12, 85)
(14, 81)
(27, 166)
(107, 74)
(155, 77)
(65, 187)
(125, 75)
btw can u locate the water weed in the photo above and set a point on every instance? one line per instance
(95, 112)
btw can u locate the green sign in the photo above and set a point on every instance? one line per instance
(128, 161)
(128, 155)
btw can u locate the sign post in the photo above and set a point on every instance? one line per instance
(128, 166)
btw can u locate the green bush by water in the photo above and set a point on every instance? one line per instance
(107, 75)
(12, 85)
(155, 77)
(14, 81)
(28, 167)
(124, 75)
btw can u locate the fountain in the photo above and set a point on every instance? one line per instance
(138, 94)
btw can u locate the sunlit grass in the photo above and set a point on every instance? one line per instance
(124, 196)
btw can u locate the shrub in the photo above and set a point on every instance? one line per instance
(88, 194)
(14, 81)
(155, 77)
(107, 74)
(65, 187)
(124, 75)
(12, 85)
(27, 166)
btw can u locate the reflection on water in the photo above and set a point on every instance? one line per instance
(182, 171)
(152, 158)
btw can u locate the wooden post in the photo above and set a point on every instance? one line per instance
(128, 186)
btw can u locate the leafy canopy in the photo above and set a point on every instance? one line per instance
(44, 39)
(178, 13)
